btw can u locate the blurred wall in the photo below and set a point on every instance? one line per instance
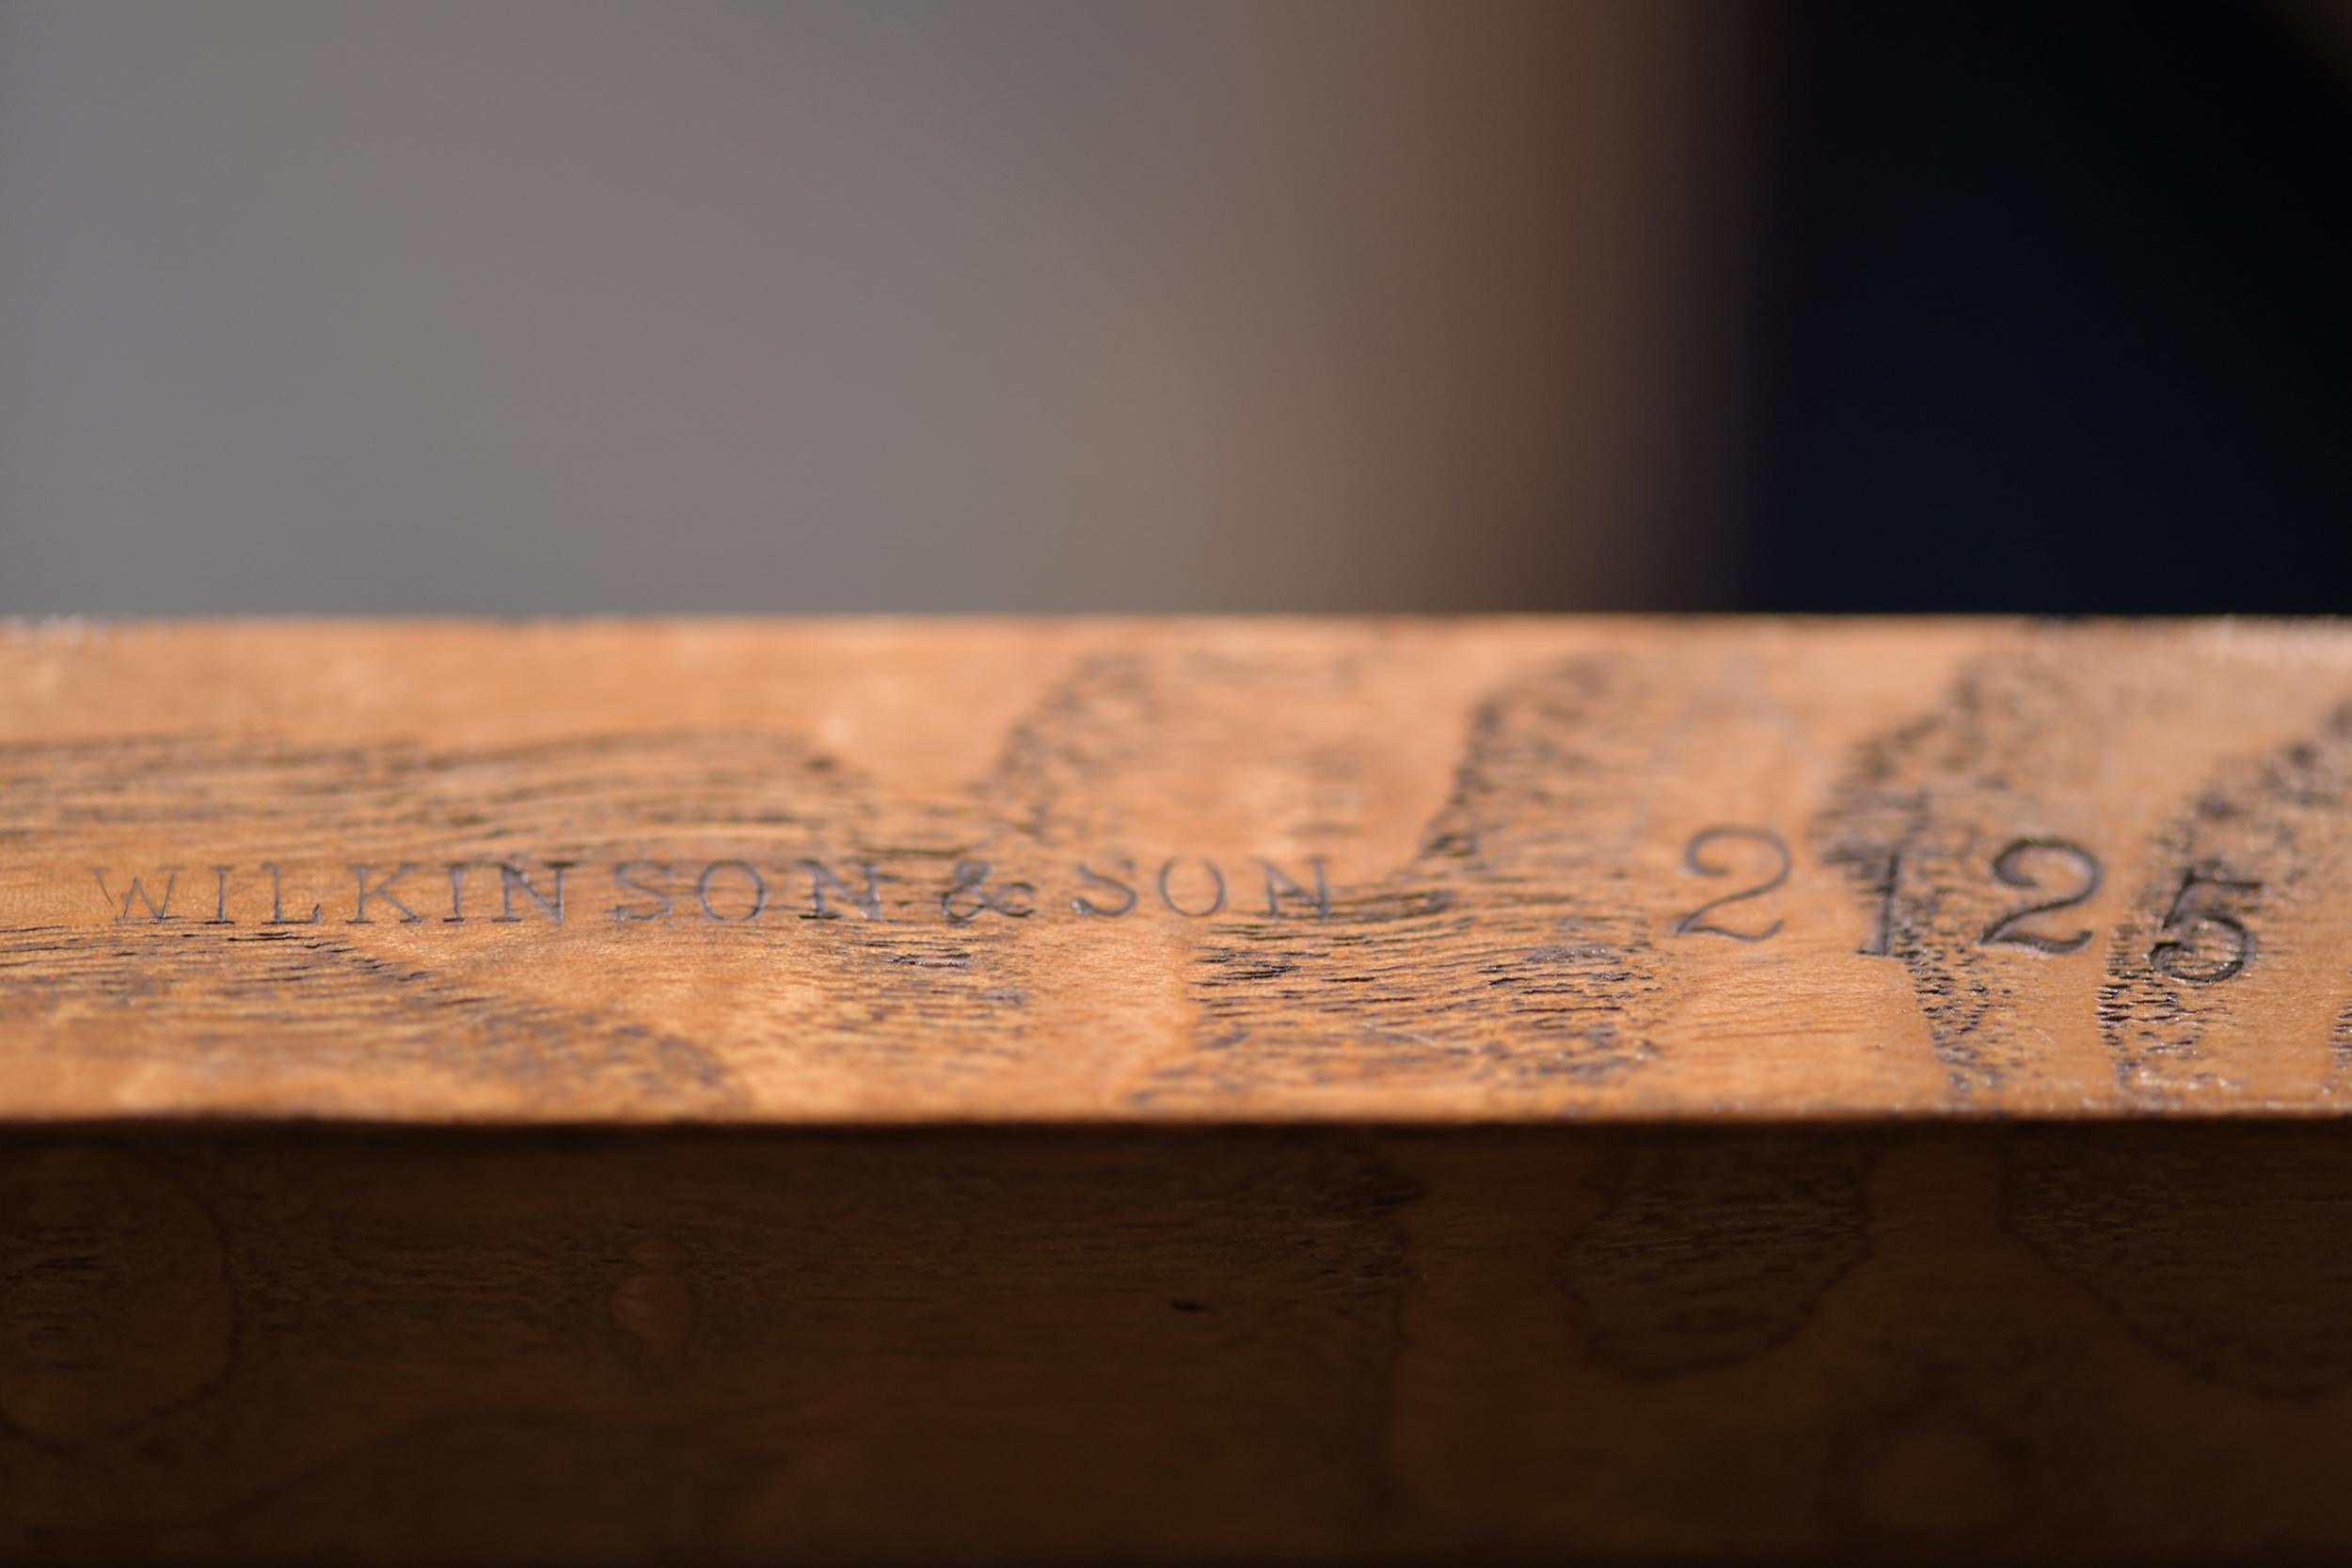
(558, 307)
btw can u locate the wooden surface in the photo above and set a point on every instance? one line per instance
(1208, 871)
(2081, 1342)
(1920, 1038)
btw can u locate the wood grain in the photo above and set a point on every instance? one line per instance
(1214, 871)
(2079, 1342)
(1503, 1091)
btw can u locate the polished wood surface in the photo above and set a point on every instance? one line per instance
(1504, 1090)
(1212, 871)
(2077, 1342)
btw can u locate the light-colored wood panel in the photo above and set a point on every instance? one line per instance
(1401, 871)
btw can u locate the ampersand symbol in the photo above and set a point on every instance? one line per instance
(971, 898)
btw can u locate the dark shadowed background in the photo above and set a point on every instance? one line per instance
(551, 307)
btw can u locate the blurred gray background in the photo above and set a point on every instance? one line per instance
(561, 307)
(547, 306)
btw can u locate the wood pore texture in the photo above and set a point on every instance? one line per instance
(1514, 1089)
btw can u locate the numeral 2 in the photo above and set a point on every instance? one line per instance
(2010, 867)
(1695, 860)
